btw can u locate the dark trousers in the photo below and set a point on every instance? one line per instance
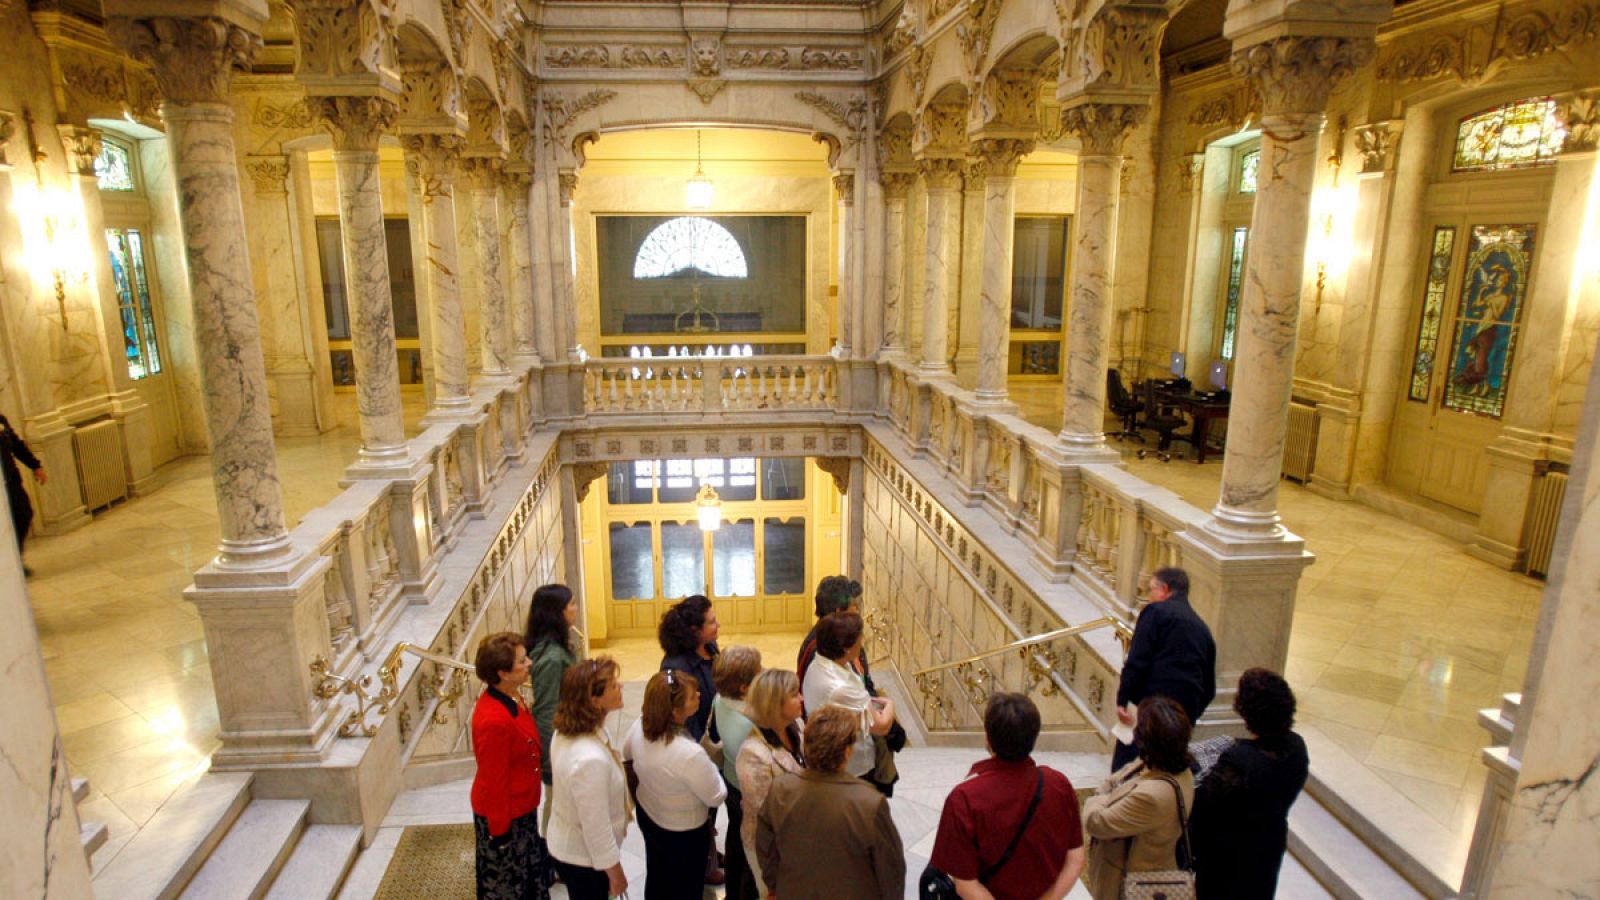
(675, 861)
(21, 516)
(583, 883)
(741, 882)
(1122, 755)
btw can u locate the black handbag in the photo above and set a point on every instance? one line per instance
(936, 885)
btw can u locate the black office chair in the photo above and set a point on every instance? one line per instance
(1164, 420)
(1125, 406)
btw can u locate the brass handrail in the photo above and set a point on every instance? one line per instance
(328, 685)
(1124, 636)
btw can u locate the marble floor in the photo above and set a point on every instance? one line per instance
(1399, 636)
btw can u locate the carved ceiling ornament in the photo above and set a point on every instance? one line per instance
(432, 160)
(1581, 115)
(975, 32)
(849, 114)
(458, 28)
(1007, 100)
(1295, 75)
(1377, 143)
(1472, 51)
(1238, 107)
(356, 123)
(82, 146)
(707, 55)
(1102, 127)
(917, 68)
(282, 115)
(564, 112)
(706, 88)
(939, 129)
(192, 60)
(1116, 52)
(339, 38)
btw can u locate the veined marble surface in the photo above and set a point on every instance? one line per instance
(1082, 426)
(366, 275)
(450, 382)
(894, 252)
(941, 267)
(994, 311)
(491, 283)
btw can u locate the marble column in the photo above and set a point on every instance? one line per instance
(192, 60)
(941, 262)
(966, 301)
(433, 159)
(844, 188)
(1000, 157)
(357, 123)
(523, 322)
(895, 306)
(1294, 77)
(546, 337)
(483, 178)
(869, 237)
(303, 239)
(1100, 128)
(564, 280)
(1548, 842)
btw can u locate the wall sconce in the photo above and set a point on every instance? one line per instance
(56, 246)
(698, 193)
(1328, 206)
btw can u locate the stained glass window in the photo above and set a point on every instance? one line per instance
(1487, 319)
(690, 242)
(113, 168)
(1509, 136)
(140, 346)
(1230, 312)
(1249, 165)
(1444, 243)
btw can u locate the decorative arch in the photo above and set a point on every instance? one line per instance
(690, 242)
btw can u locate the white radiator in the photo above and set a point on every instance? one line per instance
(1300, 444)
(1545, 512)
(100, 471)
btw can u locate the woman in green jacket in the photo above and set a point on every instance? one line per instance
(549, 642)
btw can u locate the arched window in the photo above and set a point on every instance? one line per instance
(1509, 136)
(690, 242)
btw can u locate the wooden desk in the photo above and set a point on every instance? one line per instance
(1200, 409)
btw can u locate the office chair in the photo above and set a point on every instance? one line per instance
(1164, 419)
(1124, 405)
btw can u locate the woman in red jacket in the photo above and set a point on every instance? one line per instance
(512, 861)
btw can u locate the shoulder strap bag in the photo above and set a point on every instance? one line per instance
(1165, 884)
(936, 885)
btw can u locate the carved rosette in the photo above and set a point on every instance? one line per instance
(1295, 75)
(269, 173)
(432, 160)
(1001, 156)
(568, 182)
(1101, 127)
(1376, 143)
(192, 59)
(941, 174)
(83, 147)
(356, 123)
(1581, 115)
(844, 185)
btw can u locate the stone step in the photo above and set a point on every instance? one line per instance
(92, 835)
(243, 866)
(80, 790)
(317, 868)
(157, 862)
(1338, 858)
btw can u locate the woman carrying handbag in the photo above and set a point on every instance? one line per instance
(1140, 816)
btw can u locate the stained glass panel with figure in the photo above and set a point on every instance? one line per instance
(1510, 136)
(113, 168)
(1427, 348)
(1488, 318)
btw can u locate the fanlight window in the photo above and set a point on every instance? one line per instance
(1510, 136)
(113, 168)
(690, 242)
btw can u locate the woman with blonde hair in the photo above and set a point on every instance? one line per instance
(677, 787)
(590, 808)
(773, 703)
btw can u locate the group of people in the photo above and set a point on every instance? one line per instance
(804, 762)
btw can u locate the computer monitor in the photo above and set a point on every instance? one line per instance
(1219, 374)
(1177, 364)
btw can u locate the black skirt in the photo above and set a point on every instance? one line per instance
(515, 865)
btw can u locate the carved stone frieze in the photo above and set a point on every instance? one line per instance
(1376, 143)
(1469, 51)
(1115, 55)
(1102, 127)
(1581, 115)
(849, 113)
(432, 160)
(1237, 108)
(1295, 75)
(564, 111)
(275, 116)
(594, 56)
(830, 59)
(917, 67)
(192, 60)
(93, 81)
(939, 129)
(651, 58)
(270, 174)
(1001, 156)
(757, 58)
(1006, 102)
(975, 32)
(356, 123)
(82, 146)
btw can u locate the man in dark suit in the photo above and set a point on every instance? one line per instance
(12, 451)
(1172, 654)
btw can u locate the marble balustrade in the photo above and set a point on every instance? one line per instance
(709, 384)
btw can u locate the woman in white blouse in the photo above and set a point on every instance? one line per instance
(678, 786)
(590, 807)
(833, 680)
(775, 748)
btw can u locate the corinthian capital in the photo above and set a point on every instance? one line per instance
(356, 122)
(1001, 156)
(1006, 105)
(568, 182)
(896, 183)
(82, 145)
(941, 174)
(1295, 75)
(1101, 127)
(482, 172)
(192, 60)
(432, 160)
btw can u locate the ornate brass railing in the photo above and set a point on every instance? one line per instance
(1039, 659)
(447, 688)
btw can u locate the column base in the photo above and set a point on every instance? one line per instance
(387, 465)
(451, 412)
(1085, 449)
(1236, 525)
(992, 403)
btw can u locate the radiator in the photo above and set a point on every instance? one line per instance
(100, 472)
(1300, 444)
(1545, 512)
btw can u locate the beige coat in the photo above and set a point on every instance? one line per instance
(829, 834)
(1133, 826)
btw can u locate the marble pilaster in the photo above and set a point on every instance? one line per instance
(1101, 129)
(483, 177)
(192, 60)
(1294, 76)
(432, 160)
(567, 304)
(870, 270)
(278, 289)
(963, 327)
(844, 188)
(896, 308)
(517, 185)
(357, 123)
(1001, 158)
(941, 263)
(546, 337)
